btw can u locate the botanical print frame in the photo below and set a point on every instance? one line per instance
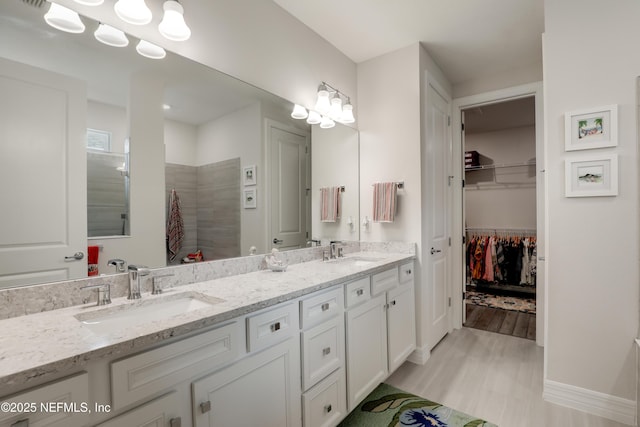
(591, 128)
(591, 176)
(249, 175)
(249, 198)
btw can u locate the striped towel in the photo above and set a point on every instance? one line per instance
(385, 198)
(329, 204)
(175, 226)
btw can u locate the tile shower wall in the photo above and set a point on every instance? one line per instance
(210, 201)
(218, 213)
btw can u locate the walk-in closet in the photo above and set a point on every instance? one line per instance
(500, 217)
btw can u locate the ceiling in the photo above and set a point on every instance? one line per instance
(466, 38)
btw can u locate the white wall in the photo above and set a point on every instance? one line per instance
(180, 142)
(334, 162)
(111, 119)
(502, 197)
(593, 252)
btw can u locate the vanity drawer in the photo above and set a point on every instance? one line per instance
(72, 390)
(326, 404)
(270, 327)
(322, 351)
(406, 273)
(164, 411)
(384, 281)
(321, 307)
(358, 291)
(137, 377)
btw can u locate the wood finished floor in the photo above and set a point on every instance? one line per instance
(492, 376)
(517, 324)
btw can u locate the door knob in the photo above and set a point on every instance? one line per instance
(277, 241)
(75, 257)
(435, 251)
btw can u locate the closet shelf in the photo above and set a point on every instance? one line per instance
(500, 166)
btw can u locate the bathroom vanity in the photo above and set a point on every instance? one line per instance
(300, 347)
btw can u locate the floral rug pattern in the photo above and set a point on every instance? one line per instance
(387, 406)
(524, 305)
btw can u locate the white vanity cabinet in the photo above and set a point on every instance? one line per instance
(165, 411)
(63, 403)
(380, 328)
(324, 401)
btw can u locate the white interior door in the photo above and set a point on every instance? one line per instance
(43, 171)
(436, 249)
(288, 150)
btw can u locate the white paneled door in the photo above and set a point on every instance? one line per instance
(288, 152)
(43, 230)
(438, 208)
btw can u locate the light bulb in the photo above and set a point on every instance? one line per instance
(150, 50)
(134, 12)
(322, 104)
(111, 36)
(299, 112)
(314, 118)
(347, 113)
(64, 19)
(327, 123)
(173, 26)
(335, 112)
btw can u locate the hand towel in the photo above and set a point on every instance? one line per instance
(385, 200)
(92, 258)
(175, 226)
(329, 204)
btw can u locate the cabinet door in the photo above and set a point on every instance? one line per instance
(162, 412)
(260, 390)
(402, 325)
(366, 349)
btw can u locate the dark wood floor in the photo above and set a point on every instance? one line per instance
(505, 322)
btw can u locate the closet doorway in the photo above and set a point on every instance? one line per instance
(501, 213)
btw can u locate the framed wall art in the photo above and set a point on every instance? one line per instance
(591, 128)
(249, 198)
(249, 175)
(591, 176)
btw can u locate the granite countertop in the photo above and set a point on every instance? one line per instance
(46, 343)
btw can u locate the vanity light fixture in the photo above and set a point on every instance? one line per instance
(64, 19)
(150, 50)
(314, 118)
(299, 112)
(347, 113)
(111, 36)
(335, 112)
(327, 123)
(133, 12)
(173, 26)
(323, 105)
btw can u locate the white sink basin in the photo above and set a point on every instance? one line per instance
(145, 310)
(358, 261)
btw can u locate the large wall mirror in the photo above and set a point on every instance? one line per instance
(94, 140)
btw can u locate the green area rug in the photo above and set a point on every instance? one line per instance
(387, 406)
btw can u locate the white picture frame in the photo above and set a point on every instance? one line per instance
(591, 128)
(249, 200)
(591, 176)
(249, 176)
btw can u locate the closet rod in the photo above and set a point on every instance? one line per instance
(500, 166)
(500, 230)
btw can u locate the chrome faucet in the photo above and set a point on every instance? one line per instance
(335, 251)
(313, 242)
(104, 292)
(135, 271)
(119, 263)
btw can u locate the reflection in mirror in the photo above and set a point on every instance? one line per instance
(56, 86)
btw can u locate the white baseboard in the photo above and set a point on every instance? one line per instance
(592, 402)
(420, 355)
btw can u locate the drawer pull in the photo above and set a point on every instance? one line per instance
(360, 292)
(21, 423)
(408, 272)
(275, 327)
(205, 406)
(393, 302)
(326, 351)
(328, 408)
(325, 306)
(175, 422)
